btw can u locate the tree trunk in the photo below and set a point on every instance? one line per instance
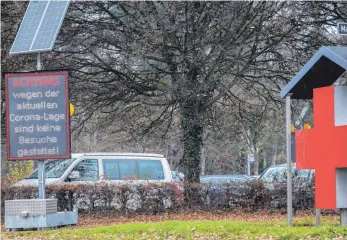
(275, 143)
(274, 158)
(192, 126)
(203, 161)
(203, 156)
(256, 162)
(264, 161)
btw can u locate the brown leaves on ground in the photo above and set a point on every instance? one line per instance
(111, 218)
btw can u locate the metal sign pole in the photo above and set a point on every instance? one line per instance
(342, 31)
(343, 217)
(41, 163)
(289, 163)
(317, 217)
(42, 180)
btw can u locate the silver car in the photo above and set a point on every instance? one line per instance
(278, 175)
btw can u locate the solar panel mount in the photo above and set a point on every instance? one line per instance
(40, 26)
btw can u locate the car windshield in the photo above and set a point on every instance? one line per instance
(278, 174)
(54, 169)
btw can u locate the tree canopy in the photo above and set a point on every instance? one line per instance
(200, 67)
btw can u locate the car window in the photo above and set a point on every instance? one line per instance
(133, 169)
(277, 174)
(88, 170)
(119, 169)
(274, 175)
(54, 169)
(127, 169)
(150, 170)
(111, 169)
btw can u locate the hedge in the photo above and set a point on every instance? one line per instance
(152, 198)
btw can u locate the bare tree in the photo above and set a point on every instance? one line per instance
(158, 65)
(169, 59)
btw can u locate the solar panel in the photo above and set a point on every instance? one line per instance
(27, 29)
(40, 26)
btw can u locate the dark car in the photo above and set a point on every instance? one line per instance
(220, 188)
(221, 179)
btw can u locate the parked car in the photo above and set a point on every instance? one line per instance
(177, 176)
(278, 175)
(220, 187)
(89, 168)
(275, 180)
(222, 179)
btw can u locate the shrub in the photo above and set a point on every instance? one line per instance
(18, 170)
(152, 198)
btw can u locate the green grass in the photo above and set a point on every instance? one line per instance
(303, 229)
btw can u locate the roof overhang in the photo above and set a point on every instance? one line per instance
(322, 70)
